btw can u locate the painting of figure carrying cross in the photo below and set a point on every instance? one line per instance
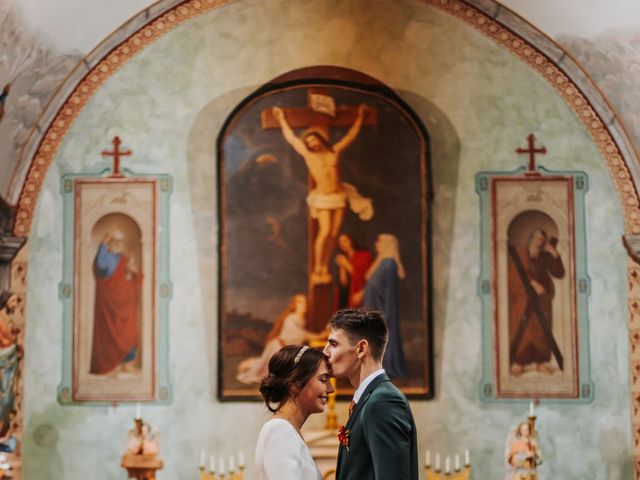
(329, 196)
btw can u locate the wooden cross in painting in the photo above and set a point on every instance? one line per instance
(532, 150)
(116, 154)
(328, 196)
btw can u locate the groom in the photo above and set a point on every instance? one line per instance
(379, 440)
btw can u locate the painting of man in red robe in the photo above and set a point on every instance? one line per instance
(531, 295)
(116, 327)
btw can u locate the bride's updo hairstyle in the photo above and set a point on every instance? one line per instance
(291, 365)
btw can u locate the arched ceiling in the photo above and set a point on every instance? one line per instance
(56, 24)
(31, 164)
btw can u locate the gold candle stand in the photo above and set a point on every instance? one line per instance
(332, 418)
(455, 475)
(204, 475)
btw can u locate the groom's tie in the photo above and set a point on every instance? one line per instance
(352, 405)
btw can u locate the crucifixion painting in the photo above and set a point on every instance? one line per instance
(323, 205)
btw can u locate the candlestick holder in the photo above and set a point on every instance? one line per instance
(532, 425)
(236, 475)
(455, 475)
(204, 475)
(332, 418)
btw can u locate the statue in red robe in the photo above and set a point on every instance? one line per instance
(116, 325)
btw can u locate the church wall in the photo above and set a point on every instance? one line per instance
(477, 101)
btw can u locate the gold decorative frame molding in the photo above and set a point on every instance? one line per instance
(488, 17)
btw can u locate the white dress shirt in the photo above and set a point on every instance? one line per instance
(365, 383)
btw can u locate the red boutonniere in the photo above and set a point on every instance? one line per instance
(343, 437)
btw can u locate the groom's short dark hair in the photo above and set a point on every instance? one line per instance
(362, 323)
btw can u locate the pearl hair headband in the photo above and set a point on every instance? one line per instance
(300, 353)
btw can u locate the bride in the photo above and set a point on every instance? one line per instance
(297, 386)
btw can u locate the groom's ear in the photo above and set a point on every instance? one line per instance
(362, 348)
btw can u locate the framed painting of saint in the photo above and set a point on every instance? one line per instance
(534, 285)
(324, 192)
(115, 289)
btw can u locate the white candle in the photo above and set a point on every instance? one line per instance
(531, 409)
(232, 464)
(222, 469)
(456, 463)
(202, 459)
(447, 465)
(138, 411)
(427, 458)
(212, 464)
(437, 462)
(467, 461)
(241, 459)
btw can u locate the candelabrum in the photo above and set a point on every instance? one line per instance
(208, 475)
(462, 474)
(332, 418)
(434, 472)
(536, 459)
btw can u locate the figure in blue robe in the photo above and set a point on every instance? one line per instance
(381, 293)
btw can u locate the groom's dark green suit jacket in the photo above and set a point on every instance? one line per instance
(382, 436)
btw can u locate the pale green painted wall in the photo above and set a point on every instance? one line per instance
(478, 103)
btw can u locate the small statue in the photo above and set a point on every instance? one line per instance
(522, 453)
(141, 440)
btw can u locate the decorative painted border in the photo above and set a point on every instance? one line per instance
(586, 110)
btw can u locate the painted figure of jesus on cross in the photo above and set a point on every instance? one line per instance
(329, 196)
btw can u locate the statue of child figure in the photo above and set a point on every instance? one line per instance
(522, 453)
(142, 440)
